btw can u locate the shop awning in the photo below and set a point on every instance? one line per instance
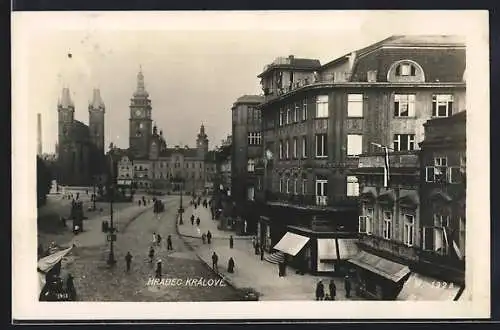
(327, 251)
(383, 267)
(466, 295)
(419, 287)
(291, 243)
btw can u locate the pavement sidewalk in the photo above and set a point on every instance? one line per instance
(250, 271)
(206, 224)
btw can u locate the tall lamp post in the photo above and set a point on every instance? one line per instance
(181, 208)
(112, 235)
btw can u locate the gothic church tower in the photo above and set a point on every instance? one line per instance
(202, 143)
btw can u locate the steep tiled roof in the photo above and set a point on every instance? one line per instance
(439, 65)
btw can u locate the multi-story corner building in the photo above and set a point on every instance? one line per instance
(246, 151)
(317, 120)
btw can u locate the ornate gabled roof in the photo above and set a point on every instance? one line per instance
(65, 100)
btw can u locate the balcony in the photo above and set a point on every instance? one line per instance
(446, 261)
(393, 247)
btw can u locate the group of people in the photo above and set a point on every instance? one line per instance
(206, 237)
(215, 261)
(157, 241)
(332, 289)
(258, 248)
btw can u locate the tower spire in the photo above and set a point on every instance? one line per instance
(97, 102)
(141, 90)
(65, 100)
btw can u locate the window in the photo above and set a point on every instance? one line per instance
(254, 138)
(304, 186)
(304, 146)
(354, 144)
(295, 152)
(251, 193)
(287, 149)
(321, 146)
(251, 166)
(438, 172)
(281, 185)
(442, 105)
(295, 186)
(441, 220)
(434, 239)
(405, 69)
(461, 237)
(355, 105)
(387, 217)
(288, 115)
(287, 185)
(352, 186)
(408, 230)
(296, 112)
(369, 220)
(304, 110)
(282, 116)
(281, 153)
(321, 191)
(404, 105)
(454, 174)
(322, 106)
(404, 142)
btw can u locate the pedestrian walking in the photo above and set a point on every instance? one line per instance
(230, 265)
(257, 248)
(209, 237)
(332, 289)
(215, 259)
(320, 291)
(198, 221)
(158, 239)
(70, 287)
(158, 269)
(154, 238)
(347, 285)
(151, 254)
(261, 253)
(254, 241)
(231, 242)
(192, 219)
(169, 242)
(203, 238)
(128, 260)
(139, 202)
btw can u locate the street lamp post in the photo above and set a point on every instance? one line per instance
(181, 209)
(111, 257)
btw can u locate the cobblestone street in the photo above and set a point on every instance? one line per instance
(95, 281)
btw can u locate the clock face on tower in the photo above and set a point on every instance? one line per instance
(138, 112)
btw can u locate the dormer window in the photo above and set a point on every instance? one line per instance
(405, 71)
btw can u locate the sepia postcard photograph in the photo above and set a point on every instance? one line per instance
(250, 165)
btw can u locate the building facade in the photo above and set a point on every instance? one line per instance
(80, 148)
(150, 163)
(317, 120)
(246, 151)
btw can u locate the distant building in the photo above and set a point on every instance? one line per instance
(246, 143)
(149, 163)
(80, 148)
(317, 120)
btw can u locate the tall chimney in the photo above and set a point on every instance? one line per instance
(39, 134)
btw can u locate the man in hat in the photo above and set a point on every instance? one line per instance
(128, 260)
(158, 269)
(320, 291)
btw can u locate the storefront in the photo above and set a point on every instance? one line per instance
(333, 253)
(264, 233)
(377, 277)
(420, 287)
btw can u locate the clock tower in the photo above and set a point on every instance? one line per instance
(140, 123)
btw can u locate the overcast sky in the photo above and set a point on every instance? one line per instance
(195, 64)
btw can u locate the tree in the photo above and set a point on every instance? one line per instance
(44, 181)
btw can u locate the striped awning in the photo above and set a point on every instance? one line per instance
(380, 266)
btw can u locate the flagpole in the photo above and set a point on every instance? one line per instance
(386, 163)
